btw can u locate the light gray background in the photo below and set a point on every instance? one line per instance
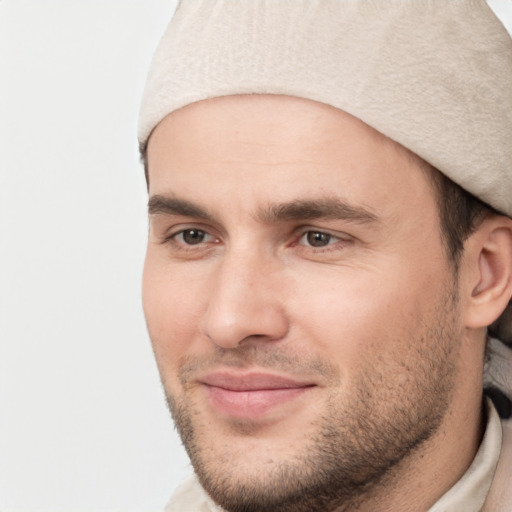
(83, 425)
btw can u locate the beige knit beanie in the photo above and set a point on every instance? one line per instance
(434, 75)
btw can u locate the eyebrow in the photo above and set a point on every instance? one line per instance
(295, 210)
(170, 205)
(322, 208)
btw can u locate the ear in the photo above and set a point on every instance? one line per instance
(488, 271)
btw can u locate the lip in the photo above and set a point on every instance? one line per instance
(251, 395)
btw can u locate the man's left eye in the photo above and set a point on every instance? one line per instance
(317, 239)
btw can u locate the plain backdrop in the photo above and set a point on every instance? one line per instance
(83, 424)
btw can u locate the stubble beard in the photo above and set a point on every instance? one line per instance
(361, 442)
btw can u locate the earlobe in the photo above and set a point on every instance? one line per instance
(489, 255)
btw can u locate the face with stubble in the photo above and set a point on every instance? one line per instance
(300, 303)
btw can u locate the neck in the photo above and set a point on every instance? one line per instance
(420, 480)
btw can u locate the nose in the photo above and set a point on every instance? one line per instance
(245, 303)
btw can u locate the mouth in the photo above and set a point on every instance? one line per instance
(251, 395)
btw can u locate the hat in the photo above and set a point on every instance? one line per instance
(433, 75)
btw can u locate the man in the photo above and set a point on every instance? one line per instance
(330, 192)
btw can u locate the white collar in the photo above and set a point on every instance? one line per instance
(469, 493)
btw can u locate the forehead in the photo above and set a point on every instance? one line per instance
(277, 146)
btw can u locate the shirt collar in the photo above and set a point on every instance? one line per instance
(470, 491)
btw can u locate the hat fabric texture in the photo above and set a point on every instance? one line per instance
(434, 75)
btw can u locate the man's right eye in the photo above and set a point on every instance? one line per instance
(191, 236)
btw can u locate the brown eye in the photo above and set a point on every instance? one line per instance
(318, 239)
(192, 236)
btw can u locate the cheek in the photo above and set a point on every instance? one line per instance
(173, 311)
(355, 316)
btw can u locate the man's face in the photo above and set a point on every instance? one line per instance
(301, 307)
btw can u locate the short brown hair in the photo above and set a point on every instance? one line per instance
(460, 213)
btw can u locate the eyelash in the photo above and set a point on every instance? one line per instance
(173, 239)
(319, 235)
(302, 236)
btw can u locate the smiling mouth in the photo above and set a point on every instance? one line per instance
(249, 396)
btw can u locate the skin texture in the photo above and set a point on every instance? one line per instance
(290, 239)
